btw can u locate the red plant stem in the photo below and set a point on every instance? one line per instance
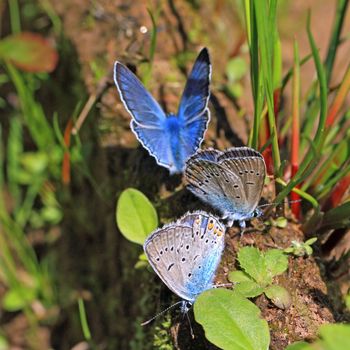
(337, 193)
(295, 129)
(276, 102)
(339, 98)
(66, 156)
(276, 106)
(267, 153)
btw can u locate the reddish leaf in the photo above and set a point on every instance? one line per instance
(66, 156)
(264, 135)
(338, 193)
(295, 198)
(339, 99)
(29, 51)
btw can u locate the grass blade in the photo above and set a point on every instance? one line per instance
(310, 160)
(334, 40)
(83, 320)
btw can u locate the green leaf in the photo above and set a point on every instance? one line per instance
(142, 262)
(276, 262)
(136, 216)
(311, 241)
(17, 299)
(335, 336)
(34, 162)
(29, 51)
(308, 250)
(238, 276)
(337, 217)
(4, 345)
(245, 285)
(281, 222)
(51, 214)
(231, 321)
(279, 296)
(299, 345)
(236, 68)
(253, 263)
(235, 89)
(249, 289)
(347, 301)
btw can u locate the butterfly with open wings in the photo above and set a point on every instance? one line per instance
(170, 139)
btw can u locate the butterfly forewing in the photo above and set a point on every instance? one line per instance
(186, 254)
(194, 100)
(141, 105)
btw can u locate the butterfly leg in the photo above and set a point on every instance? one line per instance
(242, 225)
(185, 307)
(229, 223)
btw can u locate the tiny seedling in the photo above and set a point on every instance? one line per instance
(301, 248)
(280, 222)
(259, 269)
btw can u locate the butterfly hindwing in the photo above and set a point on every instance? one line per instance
(156, 145)
(249, 165)
(192, 134)
(185, 254)
(230, 181)
(216, 186)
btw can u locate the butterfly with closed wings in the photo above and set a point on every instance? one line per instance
(185, 254)
(230, 181)
(170, 139)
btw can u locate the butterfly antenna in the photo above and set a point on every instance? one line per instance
(161, 313)
(274, 203)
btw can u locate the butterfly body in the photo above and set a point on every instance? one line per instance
(230, 181)
(174, 128)
(186, 254)
(170, 139)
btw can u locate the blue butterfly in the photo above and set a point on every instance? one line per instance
(170, 139)
(185, 254)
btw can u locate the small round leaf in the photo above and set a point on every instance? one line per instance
(136, 216)
(279, 296)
